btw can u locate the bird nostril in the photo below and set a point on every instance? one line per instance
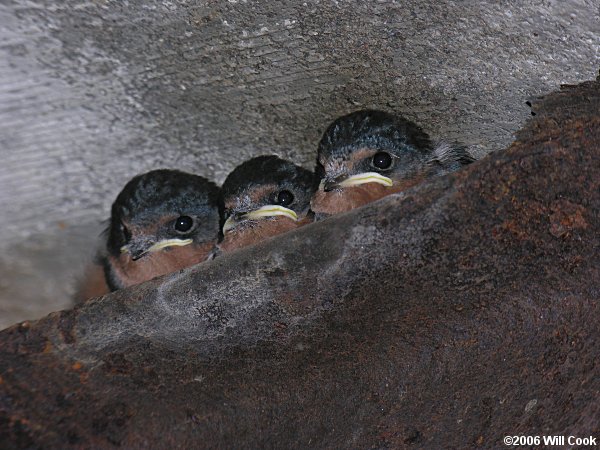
(332, 184)
(329, 186)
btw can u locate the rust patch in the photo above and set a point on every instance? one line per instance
(117, 364)
(513, 227)
(66, 326)
(565, 218)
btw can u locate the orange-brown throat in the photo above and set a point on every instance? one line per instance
(129, 272)
(93, 284)
(259, 231)
(342, 200)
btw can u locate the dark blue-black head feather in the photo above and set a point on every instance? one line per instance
(164, 203)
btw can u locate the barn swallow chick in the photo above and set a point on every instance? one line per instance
(263, 197)
(369, 154)
(162, 221)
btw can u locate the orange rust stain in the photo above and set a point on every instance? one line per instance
(469, 342)
(47, 347)
(515, 228)
(506, 187)
(525, 216)
(83, 377)
(77, 366)
(565, 218)
(14, 420)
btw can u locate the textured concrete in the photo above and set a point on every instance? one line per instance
(449, 316)
(92, 93)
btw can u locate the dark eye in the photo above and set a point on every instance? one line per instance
(285, 198)
(184, 224)
(382, 160)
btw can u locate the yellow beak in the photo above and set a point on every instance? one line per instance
(265, 211)
(367, 177)
(162, 244)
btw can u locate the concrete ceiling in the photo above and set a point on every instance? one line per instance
(94, 92)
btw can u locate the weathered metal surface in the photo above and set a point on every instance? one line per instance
(93, 93)
(450, 316)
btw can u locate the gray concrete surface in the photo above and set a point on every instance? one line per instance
(94, 92)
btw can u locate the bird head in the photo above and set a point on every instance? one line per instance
(265, 188)
(162, 209)
(368, 154)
